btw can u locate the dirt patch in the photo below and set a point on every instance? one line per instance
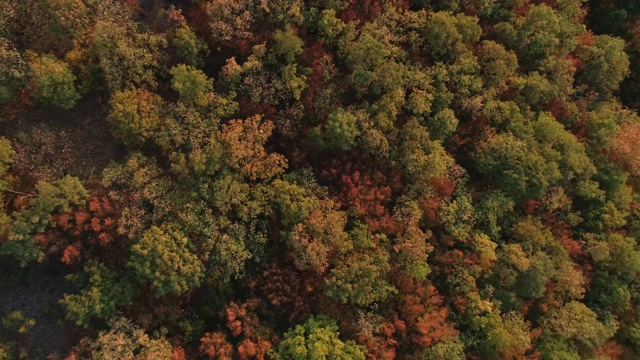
(35, 291)
(51, 143)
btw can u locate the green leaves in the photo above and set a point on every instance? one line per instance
(514, 166)
(287, 46)
(53, 83)
(361, 279)
(575, 321)
(103, 291)
(192, 84)
(164, 258)
(57, 197)
(340, 132)
(126, 55)
(317, 339)
(124, 340)
(135, 115)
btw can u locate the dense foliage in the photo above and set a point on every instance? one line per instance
(288, 179)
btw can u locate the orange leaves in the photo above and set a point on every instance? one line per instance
(215, 346)
(245, 140)
(626, 151)
(367, 193)
(235, 315)
(285, 290)
(254, 349)
(243, 324)
(86, 226)
(71, 254)
(420, 307)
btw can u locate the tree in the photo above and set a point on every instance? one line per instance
(164, 257)
(13, 71)
(192, 85)
(552, 347)
(624, 151)
(287, 46)
(411, 245)
(215, 346)
(244, 141)
(135, 115)
(125, 55)
(60, 196)
(230, 20)
(103, 292)
(443, 41)
(126, 341)
(317, 339)
(53, 83)
(507, 336)
(340, 132)
(575, 321)
(497, 63)
(538, 35)
(190, 49)
(422, 158)
(318, 237)
(360, 279)
(6, 159)
(563, 148)
(605, 64)
(514, 166)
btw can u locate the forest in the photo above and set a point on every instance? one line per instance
(319, 179)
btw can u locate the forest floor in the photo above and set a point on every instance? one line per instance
(75, 142)
(36, 291)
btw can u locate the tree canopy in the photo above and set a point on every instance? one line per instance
(339, 179)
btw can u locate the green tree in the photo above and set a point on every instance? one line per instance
(507, 336)
(135, 115)
(59, 196)
(16, 321)
(126, 341)
(411, 246)
(192, 84)
(6, 159)
(190, 49)
(340, 132)
(317, 339)
(514, 166)
(443, 124)
(575, 321)
(230, 20)
(164, 257)
(102, 293)
(552, 347)
(441, 36)
(321, 235)
(562, 147)
(125, 55)
(497, 63)
(538, 35)
(422, 158)
(294, 203)
(53, 83)
(360, 279)
(605, 64)
(287, 45)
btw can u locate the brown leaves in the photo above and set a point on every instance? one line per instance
(420, 308)
(245, 140)
(215, 346)
(626, 151)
